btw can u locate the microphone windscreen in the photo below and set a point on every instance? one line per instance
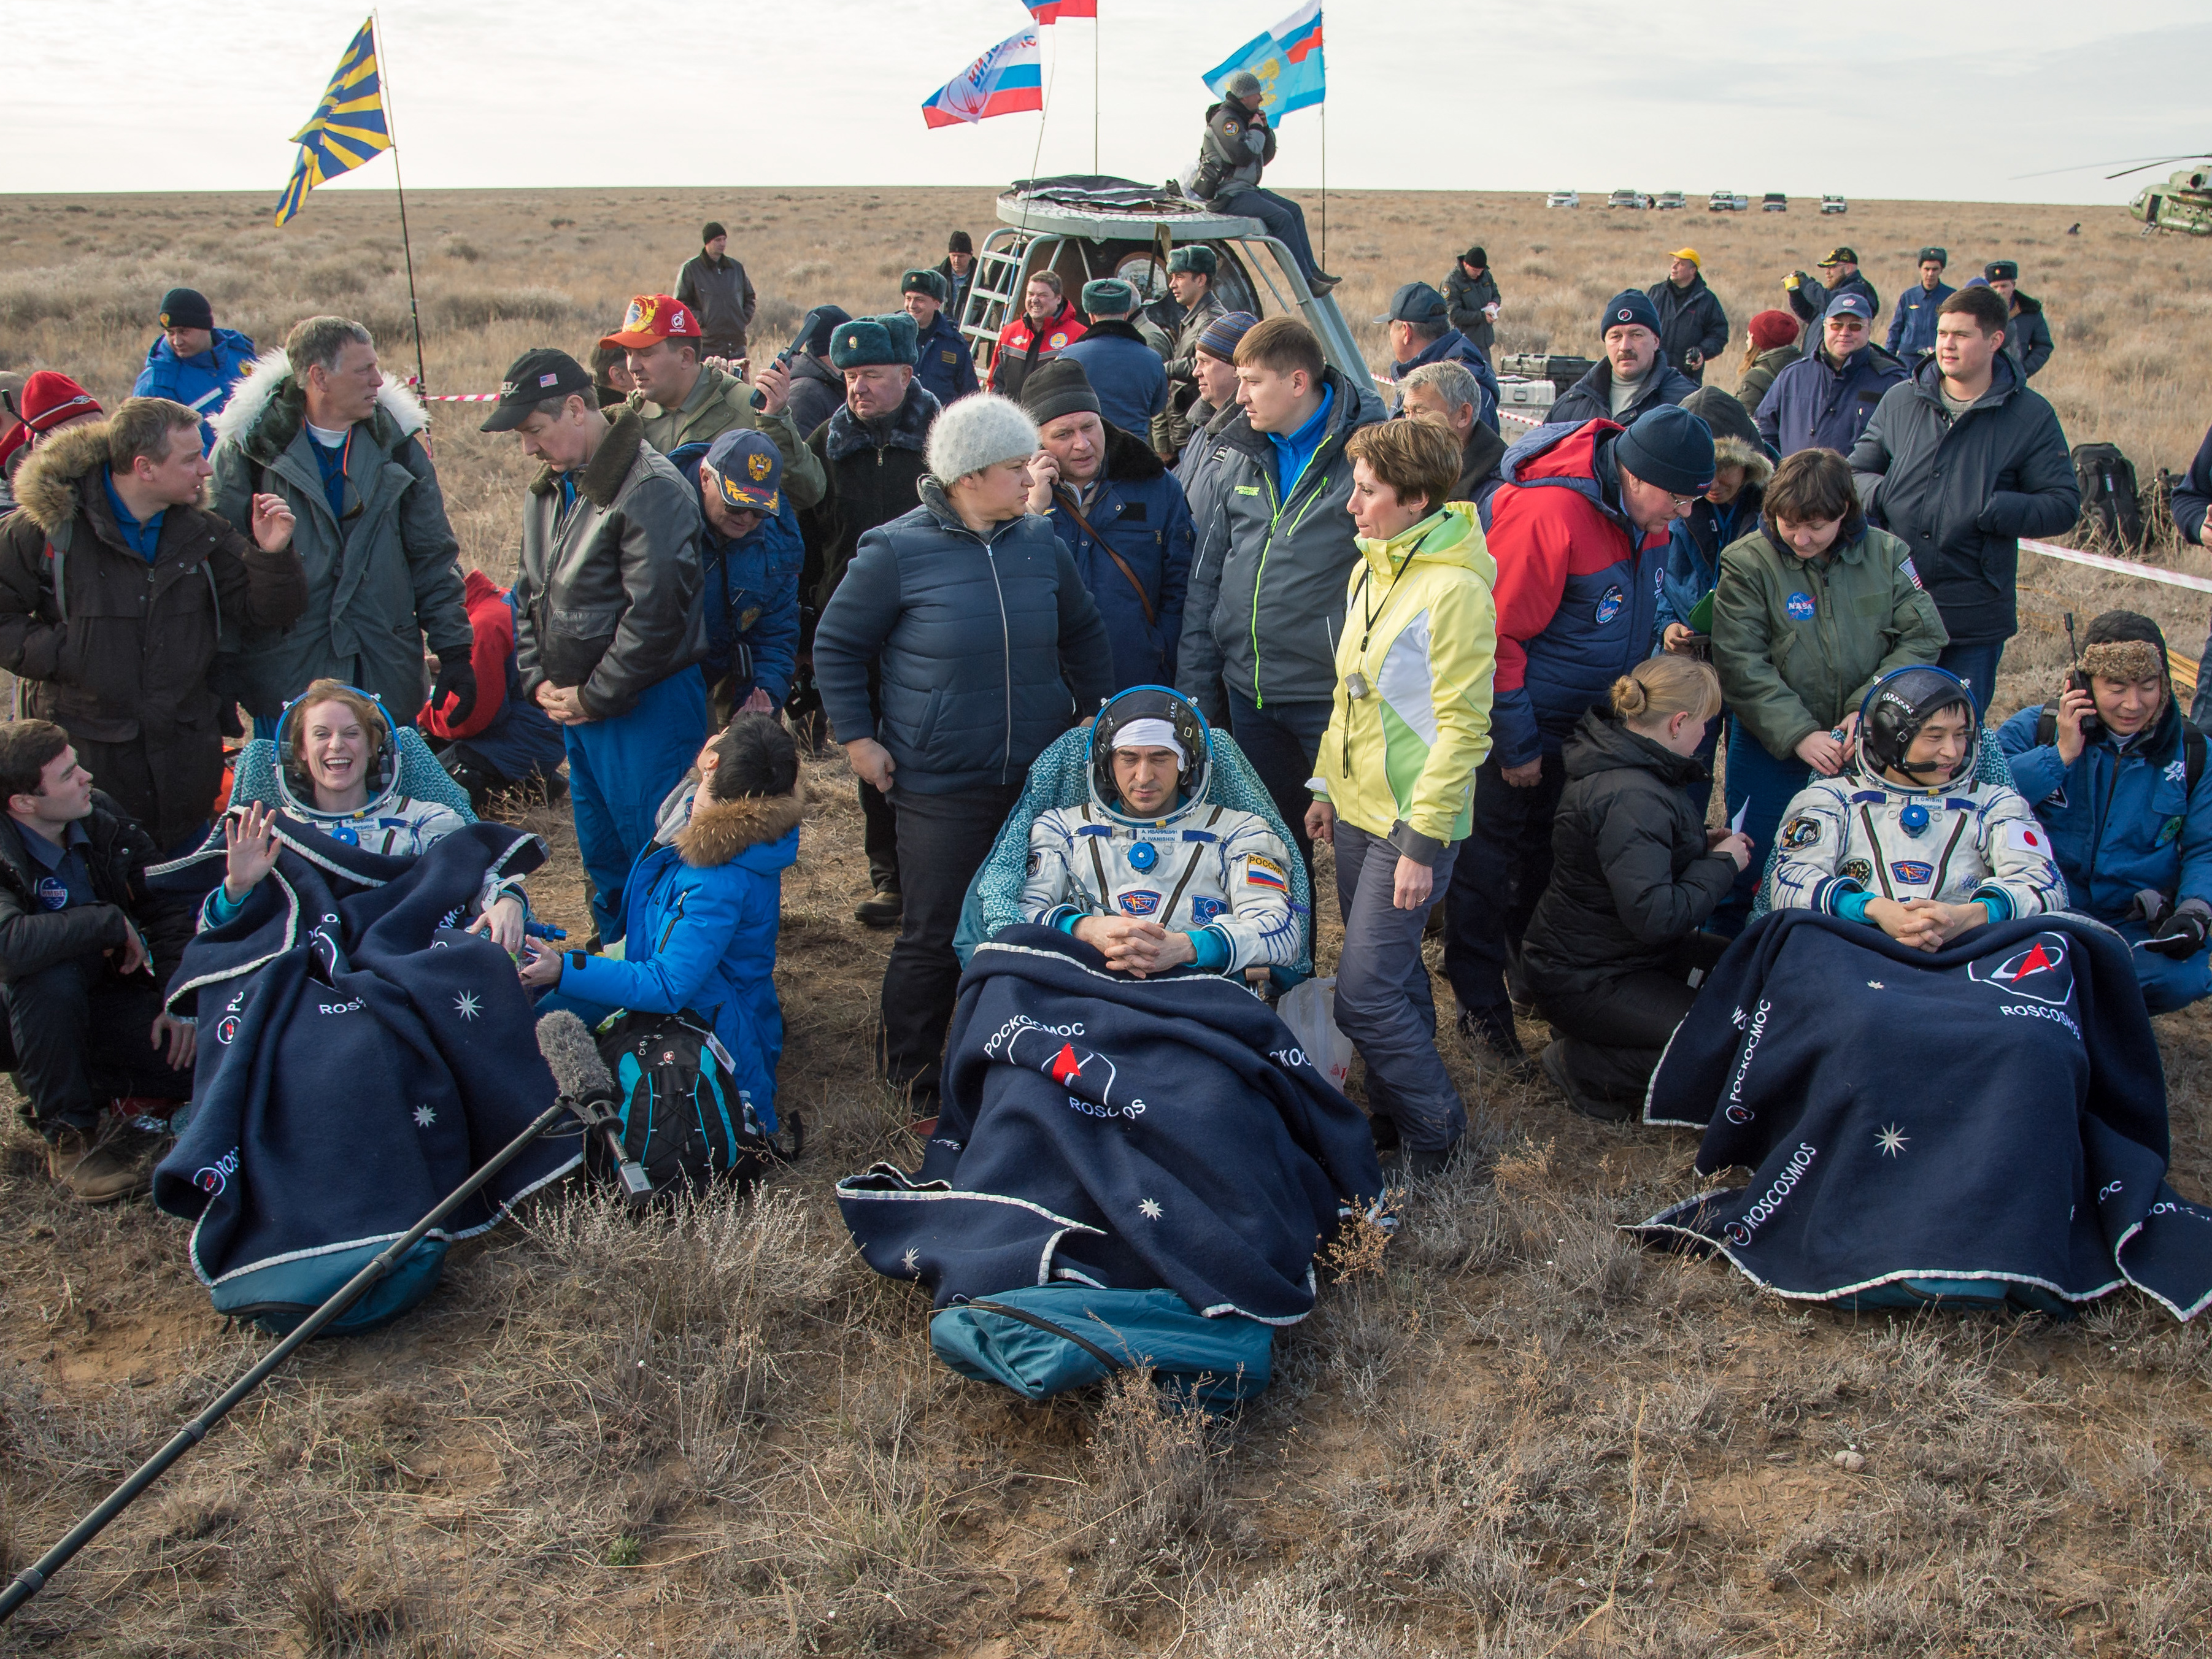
(573, 1057)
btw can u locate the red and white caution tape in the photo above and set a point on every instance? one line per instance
(2149, 573)
(415, 386)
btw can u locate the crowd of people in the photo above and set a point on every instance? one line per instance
(1495, 671)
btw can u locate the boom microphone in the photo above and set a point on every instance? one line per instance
(583, 1078)
(574, 1058)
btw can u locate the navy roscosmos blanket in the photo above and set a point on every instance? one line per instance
(359, 1055)
(1131, 1134)
(1989, 1120)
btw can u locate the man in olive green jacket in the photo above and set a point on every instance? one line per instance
(680, 400)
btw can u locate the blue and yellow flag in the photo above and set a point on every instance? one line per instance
(347, 128)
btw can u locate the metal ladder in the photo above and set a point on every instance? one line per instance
(995, 295)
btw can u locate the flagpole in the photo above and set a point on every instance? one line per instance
(1324, 184)
(406, 243)
(1095, 53)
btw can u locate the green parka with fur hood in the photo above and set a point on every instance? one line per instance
(381, 584)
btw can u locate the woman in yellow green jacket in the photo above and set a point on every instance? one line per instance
(1396, 773)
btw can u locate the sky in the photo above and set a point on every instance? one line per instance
(1885, 98)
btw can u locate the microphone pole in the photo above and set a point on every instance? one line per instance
(34, 1578)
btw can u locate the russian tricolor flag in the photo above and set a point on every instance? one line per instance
(1051, 11)
(1299, 34)
(1004, 81)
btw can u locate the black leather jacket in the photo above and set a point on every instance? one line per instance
(606, 598)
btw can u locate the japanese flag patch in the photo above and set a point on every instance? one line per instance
(2027, 838)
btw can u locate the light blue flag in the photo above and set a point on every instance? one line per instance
(1288, 58)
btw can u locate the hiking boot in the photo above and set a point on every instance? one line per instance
(884, 907)
(1321, 282)
(94, 1172)
(1426, 1161)
(1606, 1111)
(1492, 1027)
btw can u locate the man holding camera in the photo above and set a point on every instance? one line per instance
(683, 399)
(2116, 776)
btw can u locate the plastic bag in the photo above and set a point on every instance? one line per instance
(1309, 1010)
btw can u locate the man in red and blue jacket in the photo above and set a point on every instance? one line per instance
(1579, 526)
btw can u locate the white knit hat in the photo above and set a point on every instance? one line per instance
(978, 432)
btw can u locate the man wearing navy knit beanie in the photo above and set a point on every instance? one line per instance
(1634, 377)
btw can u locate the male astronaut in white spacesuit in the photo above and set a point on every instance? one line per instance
(1147, 873)
(1904, 839)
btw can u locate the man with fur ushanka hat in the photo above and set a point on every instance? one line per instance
(2116, 775)
(1121, 873)
(318, 425)
(871, 449)
(942, 361)
(1196, 308)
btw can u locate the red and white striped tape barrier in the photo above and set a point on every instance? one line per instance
(2149, 573)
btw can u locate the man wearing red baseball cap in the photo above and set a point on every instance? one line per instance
(683, 400)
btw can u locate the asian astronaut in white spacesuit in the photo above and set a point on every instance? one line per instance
(1146, 872)
(1904, 839)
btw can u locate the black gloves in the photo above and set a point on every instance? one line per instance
(2183, 934)
(457, 678)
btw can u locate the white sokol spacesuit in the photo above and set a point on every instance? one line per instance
(1859, 836)
(1219, 875)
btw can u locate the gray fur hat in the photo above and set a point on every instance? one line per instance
(976, 432)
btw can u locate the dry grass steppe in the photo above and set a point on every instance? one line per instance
(718, 1434)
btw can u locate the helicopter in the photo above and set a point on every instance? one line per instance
(2182, 202)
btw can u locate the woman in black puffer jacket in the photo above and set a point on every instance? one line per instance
(1613, 955)
(987, 647)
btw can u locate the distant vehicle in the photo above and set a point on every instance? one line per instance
(1625, 198)
(1727, 201)
(1671, 198)
(1774, 202)
(1566, 198)
(1834, 204)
